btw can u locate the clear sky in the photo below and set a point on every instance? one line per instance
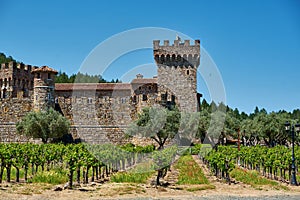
(255, 44)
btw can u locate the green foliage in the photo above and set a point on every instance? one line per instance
(62, 77)
(189, 128)
(5, 59)
(159, 124)
(43, 124)
(223, 159)
(189, 171)
(253, 178)
(260, 124)
(54, 176)
(164, 158)
(139, 174)
(271, 162)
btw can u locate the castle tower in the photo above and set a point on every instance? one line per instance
(177, 73)
(43, 92)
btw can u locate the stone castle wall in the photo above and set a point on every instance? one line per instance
(12, 111)
(100, 112)
(177, 73)
(16, 80)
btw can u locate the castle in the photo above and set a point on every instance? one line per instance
(100, 112)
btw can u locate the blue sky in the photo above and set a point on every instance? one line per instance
(255, 44)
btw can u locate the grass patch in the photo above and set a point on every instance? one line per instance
(54, 176)
(201, 187)
(189, 171)
(129, 190)
(139, 174)
(29, 188)
(254, 179)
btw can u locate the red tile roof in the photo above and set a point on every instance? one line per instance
(92, 86)
(44, 69)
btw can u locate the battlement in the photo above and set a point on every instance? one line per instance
(177, 43)
(14, 65)
(177, 54)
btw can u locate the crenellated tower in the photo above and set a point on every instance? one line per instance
(177, 73)
(44, 85)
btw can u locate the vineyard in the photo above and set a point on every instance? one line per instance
(273, 163)
(79, 165)
(79, 160)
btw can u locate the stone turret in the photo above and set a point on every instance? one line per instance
(177, 73)
(43, 92)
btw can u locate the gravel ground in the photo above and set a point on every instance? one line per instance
(285, 197)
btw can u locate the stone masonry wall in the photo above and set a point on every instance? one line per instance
(177, 73)
(102, 115)
(11, 111)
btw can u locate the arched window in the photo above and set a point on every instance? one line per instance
(173, 57)
(179, 58)
(4, 93)
(188, 72)
(168, 58)
(190, 59)
(162, 58)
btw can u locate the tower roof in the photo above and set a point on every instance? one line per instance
(44, 69)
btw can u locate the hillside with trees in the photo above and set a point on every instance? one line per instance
(263, 126)
(62, 77)
(5, 59)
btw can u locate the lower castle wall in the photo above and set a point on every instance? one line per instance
(13, 110)
(100, 120)
(89, 134)
(99, 134)
(8, 133)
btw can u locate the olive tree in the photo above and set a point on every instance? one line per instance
(43, 124)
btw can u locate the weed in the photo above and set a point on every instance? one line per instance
(55, 176)
(139, 174)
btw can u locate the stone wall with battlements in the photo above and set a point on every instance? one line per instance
(177, 73)
(16, 80)
(101, 112)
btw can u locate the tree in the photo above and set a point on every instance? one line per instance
(5, 59)
(62, 77)
(204, 122)
(43, 124)
(159, 124)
